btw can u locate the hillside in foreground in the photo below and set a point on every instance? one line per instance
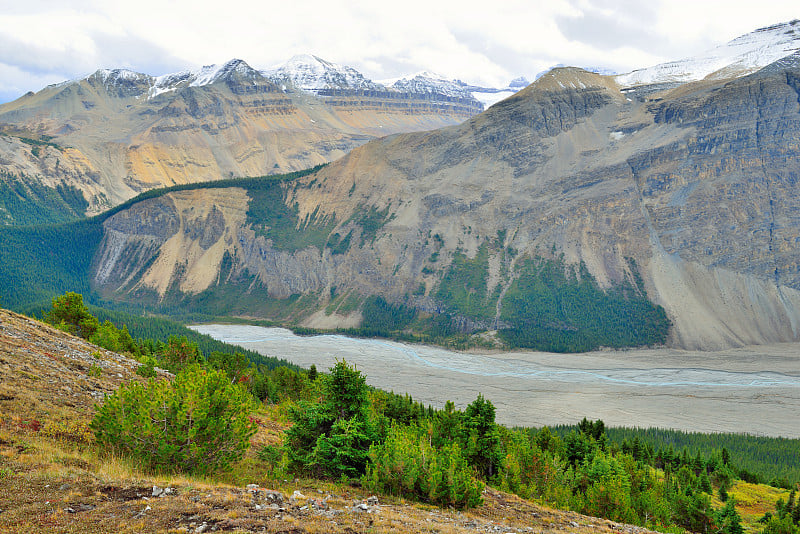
(57, 475)
(53, 480)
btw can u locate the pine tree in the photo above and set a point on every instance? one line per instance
(483, 447)
(331, 437)
(197, 423)
(69, 313)
(796, 513)
(729, 520)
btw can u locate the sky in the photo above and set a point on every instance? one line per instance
(489, 43)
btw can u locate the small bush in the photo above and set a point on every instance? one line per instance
(198, 423)
(147, 369)
(69, 432)
(407, 465)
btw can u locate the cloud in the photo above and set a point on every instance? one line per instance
(43, 41)
(628, 24)
(66, 43)
(15, 82)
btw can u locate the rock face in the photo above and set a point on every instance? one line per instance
(117, 133)
(695, 185)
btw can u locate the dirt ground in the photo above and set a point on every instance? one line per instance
(752, 389)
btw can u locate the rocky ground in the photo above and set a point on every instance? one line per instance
(52, 479)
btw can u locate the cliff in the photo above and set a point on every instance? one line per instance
(689, 190)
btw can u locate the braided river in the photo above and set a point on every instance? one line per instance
(753, 389)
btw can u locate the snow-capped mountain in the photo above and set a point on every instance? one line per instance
(206, 75)
(430, 83)
(314, 74)
(739, 57)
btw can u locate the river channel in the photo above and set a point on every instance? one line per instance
(752, 389)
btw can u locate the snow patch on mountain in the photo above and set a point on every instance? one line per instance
(313, 74)
(426, 82)
(739, 57)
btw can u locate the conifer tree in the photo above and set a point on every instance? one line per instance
(331, 437)
(483, 447)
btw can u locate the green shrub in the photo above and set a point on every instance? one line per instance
(180, 353)
(407, 465)
(147, 368)
(107, 336)
(70, 314)
(780, 526)
(198, 423)
(331, 437)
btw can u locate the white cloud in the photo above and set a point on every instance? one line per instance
(486, 43)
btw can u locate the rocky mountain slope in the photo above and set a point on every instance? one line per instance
(691, 189)
(570, 211)
(116, 132)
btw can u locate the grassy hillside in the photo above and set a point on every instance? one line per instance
(59, 475)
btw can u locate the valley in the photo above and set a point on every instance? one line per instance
(417, 304)
(584, 211)
(754, 390)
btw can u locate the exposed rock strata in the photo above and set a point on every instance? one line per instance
(122, 133)
(696, 184)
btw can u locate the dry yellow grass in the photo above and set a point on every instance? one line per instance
(754, 500)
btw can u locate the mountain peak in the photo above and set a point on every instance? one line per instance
(121, 83)
(209, 74)
(313, 74)
(113, 75)
(233, 70)
(739, 57)
(561, 78)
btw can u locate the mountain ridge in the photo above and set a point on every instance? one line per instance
(673, 199)
(117, 132)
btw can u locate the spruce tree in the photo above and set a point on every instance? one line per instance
(483, 447)
(331, 437)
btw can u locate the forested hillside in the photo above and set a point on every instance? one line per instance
(550, 305)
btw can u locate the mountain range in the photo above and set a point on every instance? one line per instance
(594, 210)
(115, 133)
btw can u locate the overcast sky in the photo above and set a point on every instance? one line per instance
(489, 42)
